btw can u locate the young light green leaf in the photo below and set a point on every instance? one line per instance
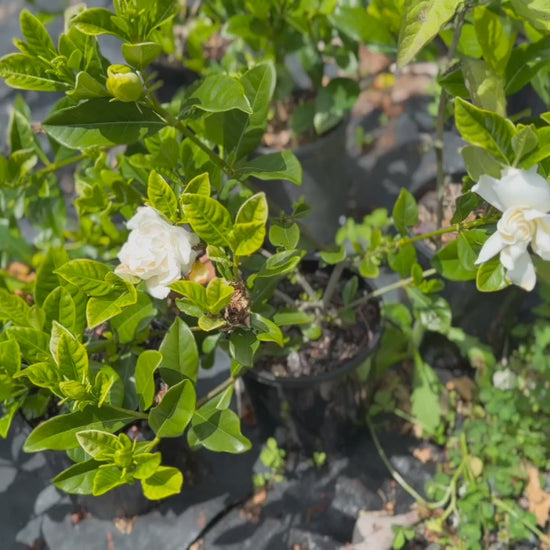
(180, 356)
(72, 359)
(87, 275)
(491, 276)
(165, 482)
(10, 357)
(38, 40)
(78, 479)
(219, 93)
(250, 225)
(422, 20)
(218, 295)
(97, 443)
(102, 308)
(286, 237)
(13, 308)
(147, 363)
(87, 87)
(161, 196)
(34, 344)
(59, 306)
(96, 21)
(171, 416)
(268, 331)
(405, 211)
(209, 219)
(199, 185)
(107, 479)
(28, 73)
(134, 318)
(141, 55)
(282, 165)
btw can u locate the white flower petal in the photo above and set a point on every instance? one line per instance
(523, 273)
(491, 247)
(486, 189)
(156, 290)
(521, 189)
(541, 240)
(512, 253)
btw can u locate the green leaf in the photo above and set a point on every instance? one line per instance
(249, 229)
(102, 308)
(59, 433)
(208, 218)
(469, 246)
(485, 129)
(426, 407)
(28, 73)
(218, 295)
(485, 86)
(134, 318)
(524, 142)
(422, 20)
(87, 87)
(171, 416)
(496, 41)
(405, 211)
(448, 264)
(219, 93)
(360, 25)
(286, 237)
(162, 197)
(72, 359)
(208, 323)
(268, 330)
(274, 166)
(148, 361)
(403, 259)
(97, 442)
(141, 55)
(479, 162)
(259, 85)
(333, 102)
(46, 279)
(102, 123)
(279, 264)
(13, 308)
(334, 255)
(243, 345)
(146, 465)
(38, 40)
(199, 185)
(42, 375)
(219, 431)
(107, 479)
(87, 275)
(180, 356)
(59, 306)
(536, 12)
(491, 276)
(195, 296)
(96, 21)
(34, 344)
(165, 482)
(287, 318)
(10, 357)
(78, 479)
(109, 387)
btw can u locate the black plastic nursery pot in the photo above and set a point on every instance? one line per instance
(325, 183)
(317, 412)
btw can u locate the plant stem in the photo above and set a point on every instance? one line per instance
(332, 283)
(535, 530)
(67, 162)
(441, 114)
(388, 288)
(216, 391)
(394, 473)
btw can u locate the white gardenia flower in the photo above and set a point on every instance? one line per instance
(504, 380)
(156, 252)
(523, 196)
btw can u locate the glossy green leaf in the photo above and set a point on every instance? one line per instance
(59, 433)
(448, 264)
(268, 331)
(218, 295)
(106, 479)
(10, 357)
(219, 431)
(27, 73)
(134, 318)
(286, 237)
(485, 85)
(422, 20)
(147, 363)
(102, 308)
(208, 323)
(485, 129)
(46, 279)
(146, 465)
(161, 196)
(96, 21)
(78, 479)
(87, 87)
(180, 356)
(13, 308)
(102, 123)
(43, 375)
(59, 306)
(171, 417)
(34, 344)
(165, 482)
(35, 34)
(219, 93)
(250, 225)
(282, 165)
(491, 276)
(199, 185)
(72, 358)
(405, 211)
(141, 55)
(87, 275)
(97, 442)
(209, 219)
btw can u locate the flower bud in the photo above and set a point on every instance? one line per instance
(123, 83)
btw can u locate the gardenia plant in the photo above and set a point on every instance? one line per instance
(104, 329)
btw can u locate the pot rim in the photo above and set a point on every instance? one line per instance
(270, 379)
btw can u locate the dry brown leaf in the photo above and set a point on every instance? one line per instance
(125, 525)
(539, 499)
(424, 455)
(464, 386)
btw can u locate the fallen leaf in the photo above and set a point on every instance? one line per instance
(373, 530)
(463, 385)
(125, 525)
(424, 455)
(539, 499)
